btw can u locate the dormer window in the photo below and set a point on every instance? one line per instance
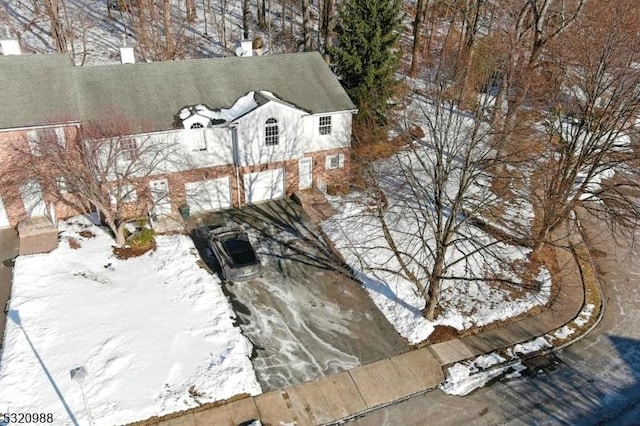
(197, 126)
(271, 132)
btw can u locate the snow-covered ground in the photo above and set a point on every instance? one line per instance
(358, 236)
(154, 333)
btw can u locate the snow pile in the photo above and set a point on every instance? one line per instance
(467, 376)
(154, 333)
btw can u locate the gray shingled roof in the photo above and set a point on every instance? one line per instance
(154, 92)
(36, 89)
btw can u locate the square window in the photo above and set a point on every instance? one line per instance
(325, 125)
(335, 161)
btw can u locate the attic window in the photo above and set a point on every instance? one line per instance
(325, 125)
(197, 126)
(271, 132)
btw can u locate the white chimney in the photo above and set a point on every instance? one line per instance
(127, 55)
(245, 49)
(10, 45)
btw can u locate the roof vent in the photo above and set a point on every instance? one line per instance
(245, 48)
(127, 55)
(10, 45)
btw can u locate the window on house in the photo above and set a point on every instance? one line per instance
(128, 149)
(325, 125)
(40, 140)
(127, 194)
(271, 132)
(198, 137)
(64, 186)
(335, 161)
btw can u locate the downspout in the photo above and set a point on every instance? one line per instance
(236, 158)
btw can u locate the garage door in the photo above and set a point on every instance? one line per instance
(208, 195)
(4, 219)
(263, 186)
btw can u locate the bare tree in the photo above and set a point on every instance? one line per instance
(589, 159)
(100, 166)
(428, 197)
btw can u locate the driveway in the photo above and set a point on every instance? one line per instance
(305, 317)
(8, 250)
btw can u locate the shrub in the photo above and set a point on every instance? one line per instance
(142, 238)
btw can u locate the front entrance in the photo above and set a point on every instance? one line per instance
(160, 196)
(305, 172)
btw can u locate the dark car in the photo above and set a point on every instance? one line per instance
(236, 256)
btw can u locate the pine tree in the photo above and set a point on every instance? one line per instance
(365, 55)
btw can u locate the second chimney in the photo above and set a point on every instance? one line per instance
(10, 45)
(127, 54)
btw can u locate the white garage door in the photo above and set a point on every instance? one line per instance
(207, 195)
(262, 186)
(4, 219)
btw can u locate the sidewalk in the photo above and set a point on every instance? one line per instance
(384, 382)
(8, 249)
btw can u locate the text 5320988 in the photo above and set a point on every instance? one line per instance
(24, 418)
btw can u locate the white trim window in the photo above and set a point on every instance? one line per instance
(40, 138)
(324, 125)
(64, 187)
(125, 193)
(335, 161)
(128, 149)
(271, 132)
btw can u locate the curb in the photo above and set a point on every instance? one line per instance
(585, 268)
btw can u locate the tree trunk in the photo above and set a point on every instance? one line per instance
(417, 22)
(190, 6)
(306, 24)
(168, 28)
(435, 280)
(246, 18)
(328, 26)
(57, 30)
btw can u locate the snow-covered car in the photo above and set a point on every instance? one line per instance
(235, 254)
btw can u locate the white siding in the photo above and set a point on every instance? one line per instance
(292, 141)
(340, 136)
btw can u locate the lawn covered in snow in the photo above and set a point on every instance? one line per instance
(467, 299)
(155, 333)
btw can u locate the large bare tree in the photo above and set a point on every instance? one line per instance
(99, 166)
(590, 158)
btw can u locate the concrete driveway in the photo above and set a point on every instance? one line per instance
(305, 317)
(8, 250)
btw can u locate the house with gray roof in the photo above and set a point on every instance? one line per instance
(254, 128)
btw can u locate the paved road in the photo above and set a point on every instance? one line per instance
(597, 382)
(305, 320)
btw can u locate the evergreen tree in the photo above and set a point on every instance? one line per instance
(365, 55)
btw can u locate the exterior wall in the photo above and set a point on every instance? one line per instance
(340, 136)
(292, 141)
(208, 154)
(11, 196)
